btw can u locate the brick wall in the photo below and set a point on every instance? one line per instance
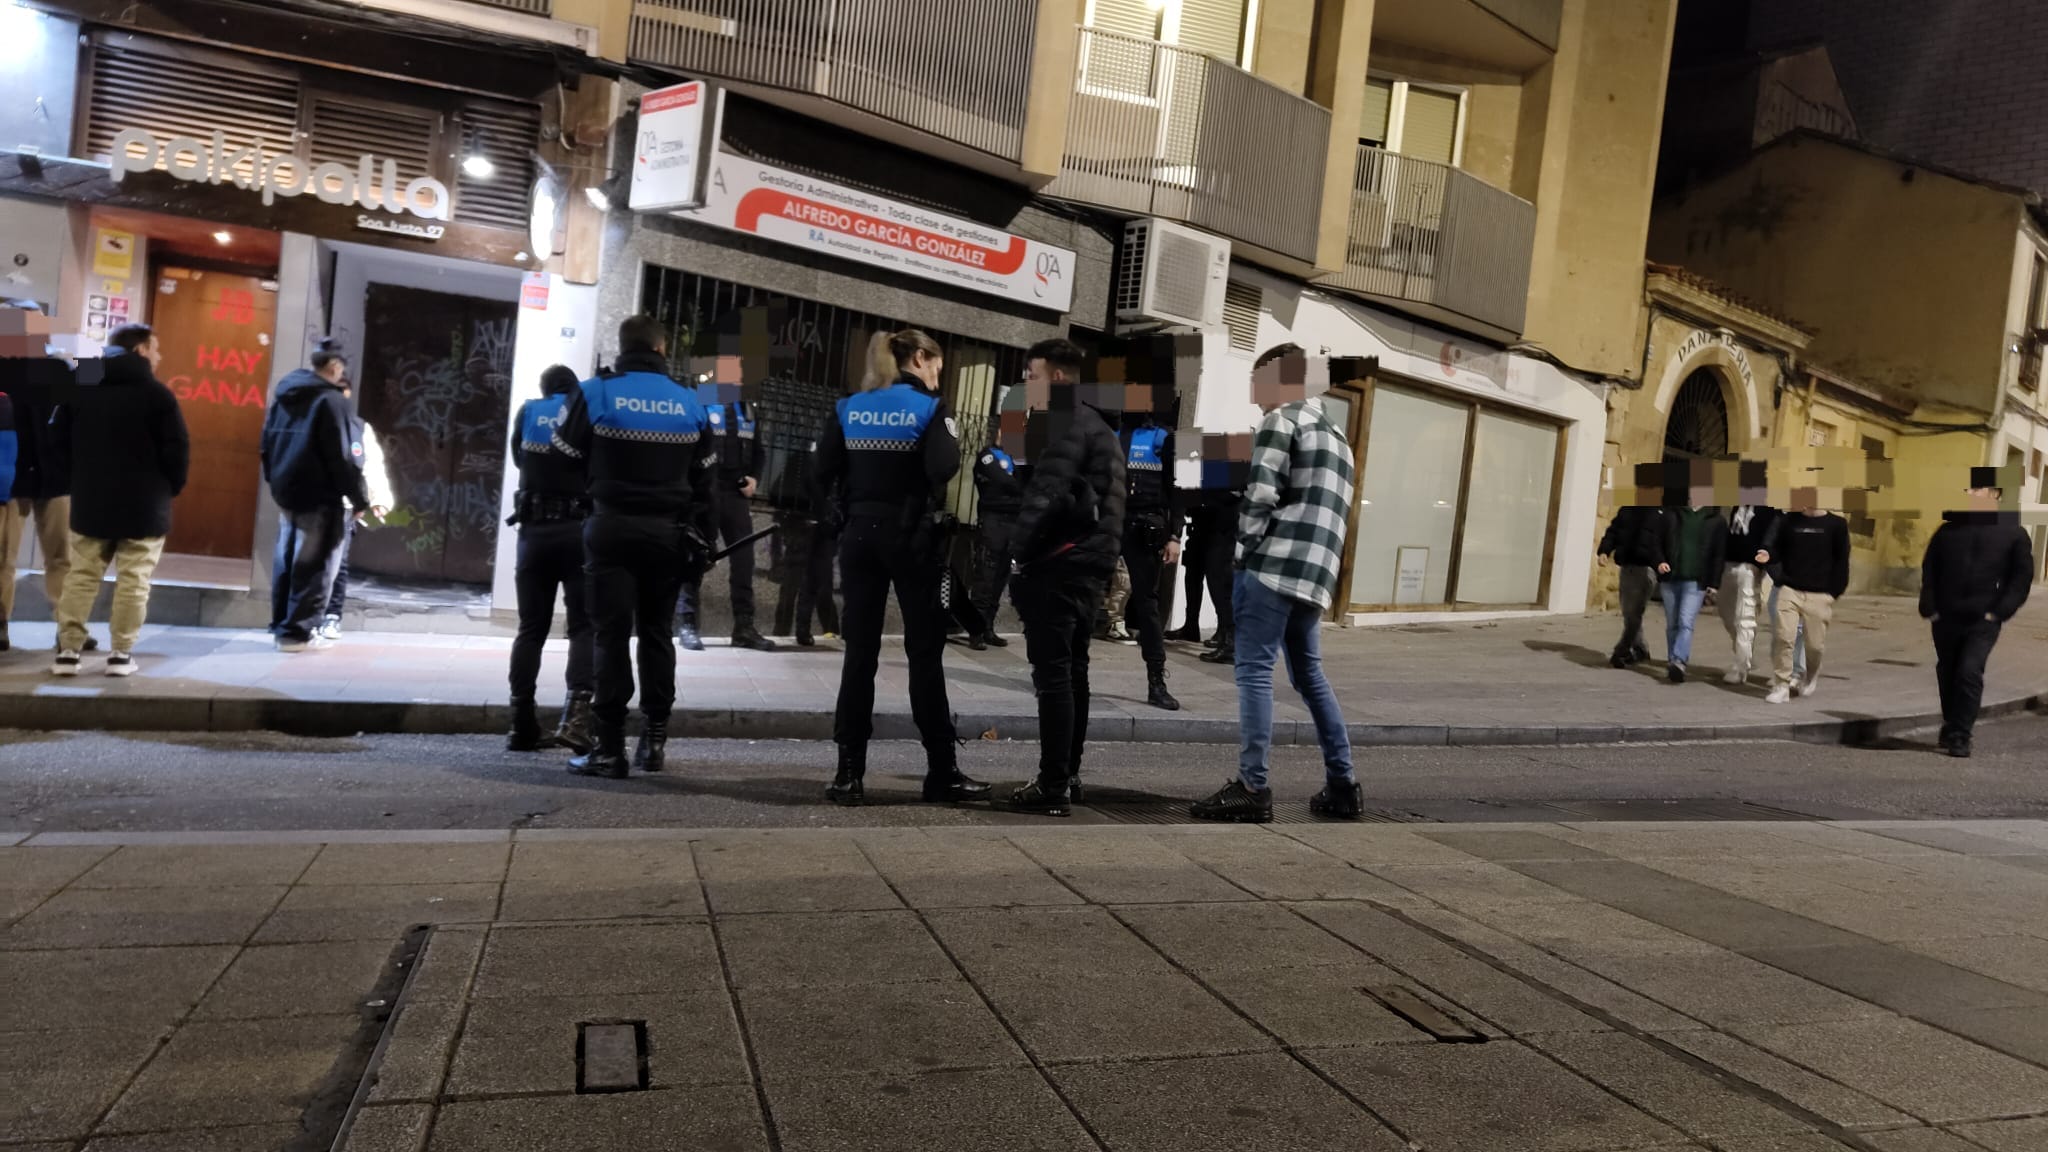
(1960, 83)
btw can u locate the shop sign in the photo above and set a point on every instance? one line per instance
(1702, 339)
(284, 174)
(829, 219)
(667, 154)
(406, 228)
(113, 254)
(533, 291)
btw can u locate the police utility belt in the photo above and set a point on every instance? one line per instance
(538, 509)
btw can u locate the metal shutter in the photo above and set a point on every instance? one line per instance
(342, 129)
(508, 134)
(1379, 104)
(1241, 314)
(140, 83)
(1429, 131)
(1213, 26)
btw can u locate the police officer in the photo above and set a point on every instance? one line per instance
(890, 452)
(1152, 528)
(1001, 496)
(643, 437)
(738, 448)
(552, 504)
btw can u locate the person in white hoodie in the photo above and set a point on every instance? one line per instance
(377, 478)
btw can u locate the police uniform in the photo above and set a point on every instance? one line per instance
(1152, 517)
(1000, 497)
(737, 445)
(889, 453)
(552, 505)
(643, 438)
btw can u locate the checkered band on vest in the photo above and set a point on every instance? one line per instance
(538, 421)
(891, 419)
(1146, 446)
(872, 445)
(644, 407)
(646, 435)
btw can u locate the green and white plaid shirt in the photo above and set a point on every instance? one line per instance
(1290, 531)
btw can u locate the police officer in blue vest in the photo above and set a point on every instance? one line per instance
(890, 454)
(737, 446)
(552, 503)
(1152, 528)
(999, 497)
(651, 475)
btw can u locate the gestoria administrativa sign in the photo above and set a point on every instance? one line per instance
(281, 174)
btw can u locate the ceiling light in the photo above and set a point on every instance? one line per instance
(597, 198)
(478, 166)
(223, 237)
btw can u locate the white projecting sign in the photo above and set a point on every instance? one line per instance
(670, 145)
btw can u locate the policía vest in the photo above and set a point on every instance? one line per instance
(1145, 464)
(646, 432)
(544, 471)
(884, 430)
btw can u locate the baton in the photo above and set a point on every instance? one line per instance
(744, 542)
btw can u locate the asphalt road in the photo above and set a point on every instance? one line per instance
(105, 782)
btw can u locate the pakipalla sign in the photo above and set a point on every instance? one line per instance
(368, 183)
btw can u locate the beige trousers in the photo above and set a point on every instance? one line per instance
(53, 540)
(1812, 609)
(134, 563)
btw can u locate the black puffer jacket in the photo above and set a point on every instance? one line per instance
(121, 440)
(1635, 536)
(1074, 504)
(310, 457)
(36, 386)
(1977, 564)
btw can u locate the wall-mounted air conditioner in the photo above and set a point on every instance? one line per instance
(1171, 274)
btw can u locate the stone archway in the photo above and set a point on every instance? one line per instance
(1696, 427)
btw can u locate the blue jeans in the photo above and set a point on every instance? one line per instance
(1682, 600)
(1267, 624)
(1799, 641)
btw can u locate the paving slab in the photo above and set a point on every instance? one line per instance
(1825, 1098)
(720, 1119)
(311, 913)
(447, 966)
(213, 1074)
(528, 1045)
(46, 869)
(415, 1061)
(241, 1138)
(1010, 1109)
(1258, 1103)
(135, 917)
(592, 959)
(2020, 1032)
(1673, 1090)
(1108, 1016)
(884, 1030)
(2021, 961)
(1210, 938)
(1127, 869)
(1904, 981)
(932, 872)
(751, 874)
(1326, 1007)
(1725, 989)
(105, 988)
(150, 866)
(1502, 1097)
(1920, 1140)
(58, 1083)
(1279, 868)
(390, 1128)
(297, 980)
(1366, 845)
(1695, 909)
(1935, 1076)
(594, 880)
(2009, 1135)
(368, 864)
(832, 949)
(1035, 942)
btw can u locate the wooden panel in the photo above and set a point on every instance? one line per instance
(214, 330)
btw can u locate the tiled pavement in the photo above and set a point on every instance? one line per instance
(1768, 987)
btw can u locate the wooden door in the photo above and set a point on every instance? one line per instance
(436, 387)
(214, 329)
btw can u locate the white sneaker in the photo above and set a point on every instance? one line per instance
(1808, 687)
(1779, 695)
(67, 663)
(320, 642)
(121, 664)
(331, 628)
(1735, 676)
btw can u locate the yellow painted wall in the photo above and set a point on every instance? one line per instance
(1283, 49)
(1342, 48)
(1816, 229)
(1493, 108)
(613, 20)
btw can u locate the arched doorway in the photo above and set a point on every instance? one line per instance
(1698, 426)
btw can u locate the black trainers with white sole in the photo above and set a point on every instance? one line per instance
(121, 664)
(66, 665)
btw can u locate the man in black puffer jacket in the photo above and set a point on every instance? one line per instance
(1068, 533)
(121, 440)
(313, 464)
(1977, 573)
(1631, 541)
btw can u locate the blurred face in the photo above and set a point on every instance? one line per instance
(150, 352)
(926, 367)
(333, 373)
(1039, 378)
(23, 334)
(1985, 499)
(1280, 381)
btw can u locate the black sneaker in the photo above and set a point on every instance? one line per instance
(1225, 653)
(1340, 801)
(978, 643)
(994, 641)
(1619, 660)
(1033, 798)
(1237, 804)
(611, 764)
(1638, 656)
(1675, 673)
(1187, 634)
(1958, 748)
(686, 635)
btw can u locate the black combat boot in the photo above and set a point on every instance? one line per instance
(648, 754)
(577, 731)
(745, 635)
(944, 783)
(1035, 797)
(846, 788)
(525, 735)
(608, 759)
(686, 635)
(1155, 690)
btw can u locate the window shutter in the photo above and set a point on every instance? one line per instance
(1130, 17)
(1213, 26)
(508, 134)
(342, 130)
(140, 83)
(1430, 129)
(1379, 104)
(1241, 314)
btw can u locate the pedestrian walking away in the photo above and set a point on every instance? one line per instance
(1069, 531)
(1153, 522)
(121, 440)
(1745, 587)
(313, 465)
(1807, 556)
(549, 510)
(377, 479)
(1692, 549)
(1976, 575)
(34, 382)
(1290, 548)
(643, 440)
(1631, 543)
(736, 442)
(888, 458)
(999, 497)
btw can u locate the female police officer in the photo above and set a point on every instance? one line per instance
(889, 452)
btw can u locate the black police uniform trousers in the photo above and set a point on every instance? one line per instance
(1211, 549)
(1058, 601)
(808, 548)
(633, 568)
(874, 553)
(735, 521)
(1144, 537)
(550, 558)
(998, 538)
(1961, 649)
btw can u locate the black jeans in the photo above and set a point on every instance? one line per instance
(634, 566)
(814, 579)
(998, 538)
(873, 555)
(1211, 549)
(551, 558)
(1961, 649)
(307, 557)
(1144, 537)
(735, 521)
(1058, 602)
(337, 600)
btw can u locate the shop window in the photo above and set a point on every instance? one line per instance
(1507, 518)
(1408, 498)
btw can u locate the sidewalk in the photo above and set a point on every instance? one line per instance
(1545, 987)
(1542, 681)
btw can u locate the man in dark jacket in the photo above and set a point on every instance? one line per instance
(311, 463)
(1069, 530)
(1630, 541)
(1000, 496)
(122, 441)
(1977, 573)
(1807, 556)
(1692, 549)
(736, 442)
(35, 382)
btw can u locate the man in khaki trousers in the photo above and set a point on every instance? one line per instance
(1806, 553)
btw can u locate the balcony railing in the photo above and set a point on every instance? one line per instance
(1430, 234)
(1157, 130)
(537, 7)
(960, 71)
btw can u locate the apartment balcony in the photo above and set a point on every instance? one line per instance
(536, 7)
(1155, 130)
(1443, 243)
(957, 73)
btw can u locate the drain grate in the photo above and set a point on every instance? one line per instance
(611, 1056)
(1405, 1003)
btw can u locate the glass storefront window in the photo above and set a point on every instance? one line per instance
(1408, 499)
(1507, 518)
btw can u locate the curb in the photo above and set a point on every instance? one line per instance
(328, 719)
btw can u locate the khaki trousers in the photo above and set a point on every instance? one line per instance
(53, 541)
(134, 563)
(1795, 608)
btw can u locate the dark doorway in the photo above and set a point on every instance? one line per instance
(436, 386)
(1698, 428)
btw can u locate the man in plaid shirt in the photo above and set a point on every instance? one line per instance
(1290, 543)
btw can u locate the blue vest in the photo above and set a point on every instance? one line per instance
(721, 414)
(643, 407)
(1003, 460)
(891, 419)
(538, 420)
(1146, 446)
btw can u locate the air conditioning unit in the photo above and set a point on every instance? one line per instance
(1172, 274)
